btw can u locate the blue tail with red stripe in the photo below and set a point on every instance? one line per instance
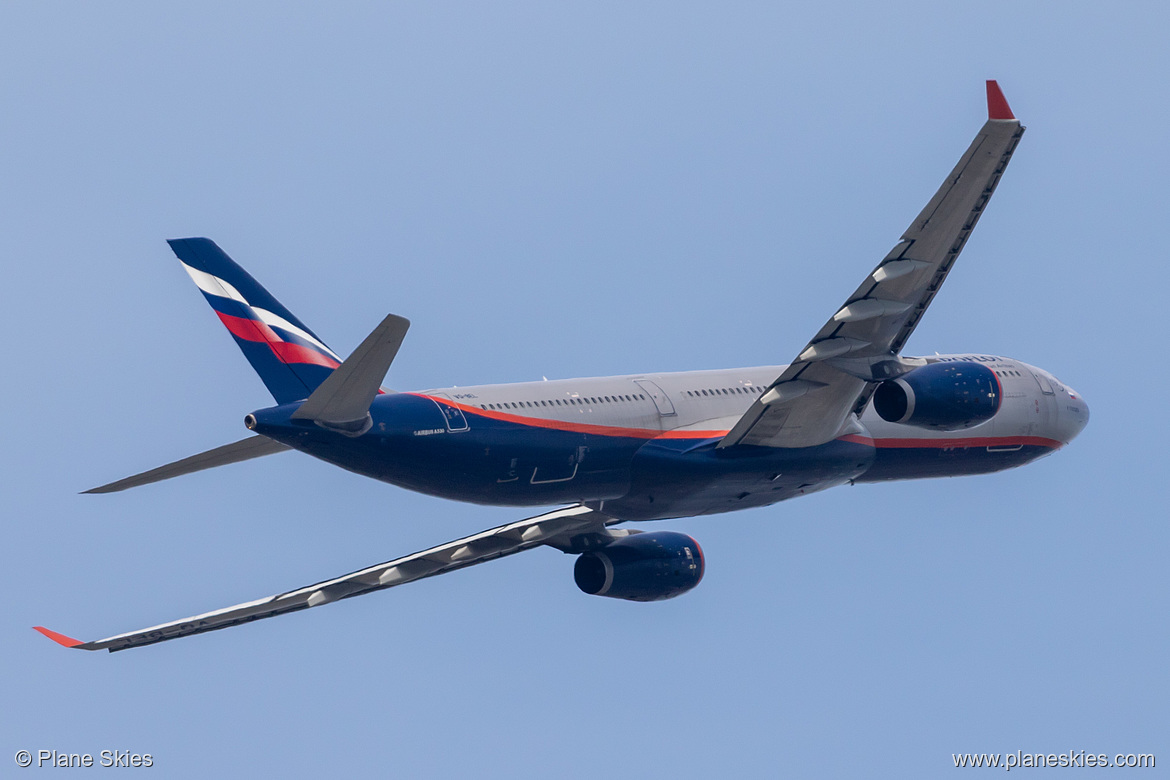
(289, 357)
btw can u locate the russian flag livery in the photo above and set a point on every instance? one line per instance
(290, 359)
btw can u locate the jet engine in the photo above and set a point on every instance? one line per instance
(941, 396)
(641, 567)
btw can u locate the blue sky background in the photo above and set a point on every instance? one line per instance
(573, 190)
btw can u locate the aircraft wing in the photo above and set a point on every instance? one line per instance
(810, 403)
(561, 528)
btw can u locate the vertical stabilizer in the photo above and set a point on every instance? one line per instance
(290, 359)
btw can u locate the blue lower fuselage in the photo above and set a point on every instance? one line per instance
(435, 446)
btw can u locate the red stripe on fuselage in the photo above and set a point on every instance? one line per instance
(649, 433)
(562, 425)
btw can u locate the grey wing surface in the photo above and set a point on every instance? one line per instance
(558, 528)
(810, 403)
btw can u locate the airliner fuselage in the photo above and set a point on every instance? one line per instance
(643, 446)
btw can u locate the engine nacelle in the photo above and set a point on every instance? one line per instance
(942, 396)
(641, 567)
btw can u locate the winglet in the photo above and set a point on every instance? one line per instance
(60, 639)
(997, 105)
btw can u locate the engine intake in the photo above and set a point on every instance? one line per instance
(942, 396)
(642, 567)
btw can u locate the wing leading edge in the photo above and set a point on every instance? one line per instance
(561, 528)
(834, 375)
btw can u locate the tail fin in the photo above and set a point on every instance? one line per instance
(289, 357)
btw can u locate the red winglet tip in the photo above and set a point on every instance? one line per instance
(61, 639)
(997, 105)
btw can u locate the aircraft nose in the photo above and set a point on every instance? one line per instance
(1072, 414)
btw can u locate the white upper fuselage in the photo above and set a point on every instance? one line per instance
(1035, 404)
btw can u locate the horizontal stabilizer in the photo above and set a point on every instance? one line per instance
(246, 449)
(343, 399)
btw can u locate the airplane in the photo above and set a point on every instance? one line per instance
(850, 408)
